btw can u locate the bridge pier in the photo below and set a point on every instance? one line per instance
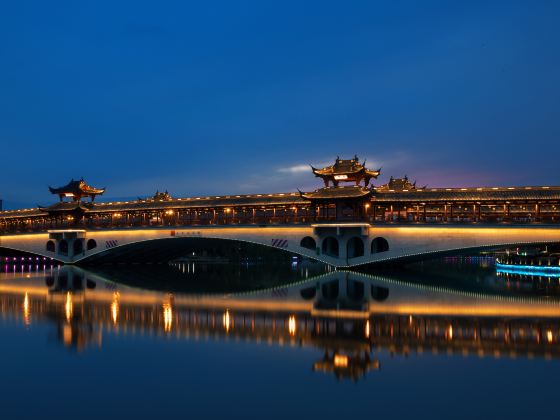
(342, 241)
(66, 244)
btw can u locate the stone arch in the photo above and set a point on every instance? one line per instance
(330, 246)
(51, 247)
(91, 244)
(78, 246)
(63, 247)
(308, 242)
(379, 244)
(355, 247)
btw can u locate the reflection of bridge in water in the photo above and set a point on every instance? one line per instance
(348, 316)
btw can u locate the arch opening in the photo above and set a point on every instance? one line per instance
(91, 244)
(330, 246)
(308, 242)
(355, 247)
(51, 247)
(168, 249)
(379, 244)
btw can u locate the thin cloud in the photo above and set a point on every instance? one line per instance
(295, 169)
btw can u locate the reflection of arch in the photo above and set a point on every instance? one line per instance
(308, 293)
(91, 244)
(330, 290)
(379, 244)
(51, 246)
(63, 247)
(379, 293)
(78, 246)
(355, 247)
(308, 242)
(330, 246)
(355, 290)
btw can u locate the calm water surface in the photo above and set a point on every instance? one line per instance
(445, 339)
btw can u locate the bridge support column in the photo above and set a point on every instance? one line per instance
(337, 236)
(68, 243)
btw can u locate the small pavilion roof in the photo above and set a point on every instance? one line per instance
(346, 167)
(77, 189)
(398, 184)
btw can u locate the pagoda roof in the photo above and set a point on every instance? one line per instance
(346, 167)
(65, 207)
(482, 194)
(398, 184)
(162, 196)
(77, 188)
(335, 193)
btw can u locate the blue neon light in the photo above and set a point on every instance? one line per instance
(529, 270)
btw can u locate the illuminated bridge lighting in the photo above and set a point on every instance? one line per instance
(529, 270)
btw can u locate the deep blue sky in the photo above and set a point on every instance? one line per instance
(229, 96)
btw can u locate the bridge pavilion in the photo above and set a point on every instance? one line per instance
(347, 196)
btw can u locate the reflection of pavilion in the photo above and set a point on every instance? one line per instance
(343, 314)
(345, 366)
(344, 294)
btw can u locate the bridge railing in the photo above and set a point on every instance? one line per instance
(128, 221)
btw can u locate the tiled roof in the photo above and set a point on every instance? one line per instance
(471, 194)
(332, 193)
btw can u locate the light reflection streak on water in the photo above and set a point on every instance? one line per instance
(115, 308)
(226, 320)
(68, 306)
(292, 325)
(26, 311)
(167, 317)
